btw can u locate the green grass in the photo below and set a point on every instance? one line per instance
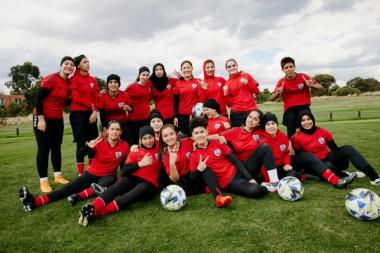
(316, 223)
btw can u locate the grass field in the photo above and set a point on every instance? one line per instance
(316, 223)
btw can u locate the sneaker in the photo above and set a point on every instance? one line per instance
(271, 187)
(73, 199)
(27, 199)
(85, 214)
(45, 186)
(60, 180)
(376, 181)
(343, 182)
(359, 174)
(223, 201)
(98, 188)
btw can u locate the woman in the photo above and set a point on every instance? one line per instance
(108, 154)
(48, 122)
(162, 92)
(83, 110)
(230, 172)
(139, 94)
(186, 95)
(175, 157)
(156, 122)
(213, 86)
(216, 123)
(114, 104)
(324, 156)
(239, 92)
(139, 180)
(245, 141)
(279, 144)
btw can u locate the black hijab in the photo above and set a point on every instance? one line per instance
(159, 83)
(311, 116)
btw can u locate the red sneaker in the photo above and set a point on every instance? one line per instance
(223, 201)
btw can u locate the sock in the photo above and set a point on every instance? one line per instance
(273, 176)
(80, 168)
(99, 204)
(90, 162)
(41, 200)
(43, 179)
(330, 177)
(112, 207)
(86, 193)
(264, 173)
(57, 173)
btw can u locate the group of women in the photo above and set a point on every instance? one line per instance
(244, 153)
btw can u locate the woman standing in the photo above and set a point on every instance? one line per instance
(48, 122)
(139, 93)
(108, 152)
(239, 91)
(315, 148)
(139, 180)
(162, 92)
(114, 104)
(83, 110)
(186, 93)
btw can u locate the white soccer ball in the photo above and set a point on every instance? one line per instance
(198, 110)
(363, 204)
(173, 197)
(290, 188)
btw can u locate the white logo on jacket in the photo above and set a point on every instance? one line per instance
(300, 86)
(118, 154)
(92, 85)
(321, 140)
(194, 85)
(217, 126)
(219, 84)
(188, 155)
(169, 86)
(282, 147)
(256, 137)
(217, 152)
(157, 155)
(120, 104)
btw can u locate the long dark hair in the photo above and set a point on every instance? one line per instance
(163, 145)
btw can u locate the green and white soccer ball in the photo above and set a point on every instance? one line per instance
(290, 188)
(363, 204)
(173, 197)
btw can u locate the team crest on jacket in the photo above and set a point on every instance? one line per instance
(118, 154)
(120, 104)
(194, 85)
(188, 155)
(300, 86)
(157, 155)
(255, 137)
(321, 140)
(169, 86)
(219, 84)
(217, 126)
(217, 152)
(92, 85)
(282, 147)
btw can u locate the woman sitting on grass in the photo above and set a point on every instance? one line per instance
(315, 148)
(109, 153)
(139, 180)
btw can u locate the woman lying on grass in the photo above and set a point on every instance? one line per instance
(109, 153)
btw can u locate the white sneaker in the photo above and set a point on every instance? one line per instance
(358, 174)
(376, 181)
(271, 187)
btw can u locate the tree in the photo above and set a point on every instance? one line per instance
(263, 96)
(23, 79)
(101, 83)
(327, 81)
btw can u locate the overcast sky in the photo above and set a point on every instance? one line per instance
(337, 37)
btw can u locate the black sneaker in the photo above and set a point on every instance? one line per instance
(98, 189)
(73, 199)
(343, 182)
(26, 198)
(86, 214)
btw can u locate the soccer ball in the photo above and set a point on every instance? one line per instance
(173, 197)
(363, 204)
(290, 188)
(198, 110)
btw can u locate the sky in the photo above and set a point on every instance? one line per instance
(341, 38)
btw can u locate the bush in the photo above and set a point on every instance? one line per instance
(18, 110)
(3, 116)
(344, 91)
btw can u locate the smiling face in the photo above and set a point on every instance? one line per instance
(306, 122)
(169, 136)
(271, 128)
(211, 113)
(67, 67)
(114, 131)
(144, 77)
(232, 67)
(210, 69)
(187, 70)
(159, 71)
(199, 135)
(147, 141)
(253, 120)
(113, 86)
(156, 124)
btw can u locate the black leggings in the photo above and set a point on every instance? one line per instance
(83, 131)
(50, 140)
(79, 184)
(238, 118)
(339, 159)
(242, 187)
(290, 117)
(263, 155)
(183, 124)
(133, 128)
(194, 182)
(127, 191)
(309, 163)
